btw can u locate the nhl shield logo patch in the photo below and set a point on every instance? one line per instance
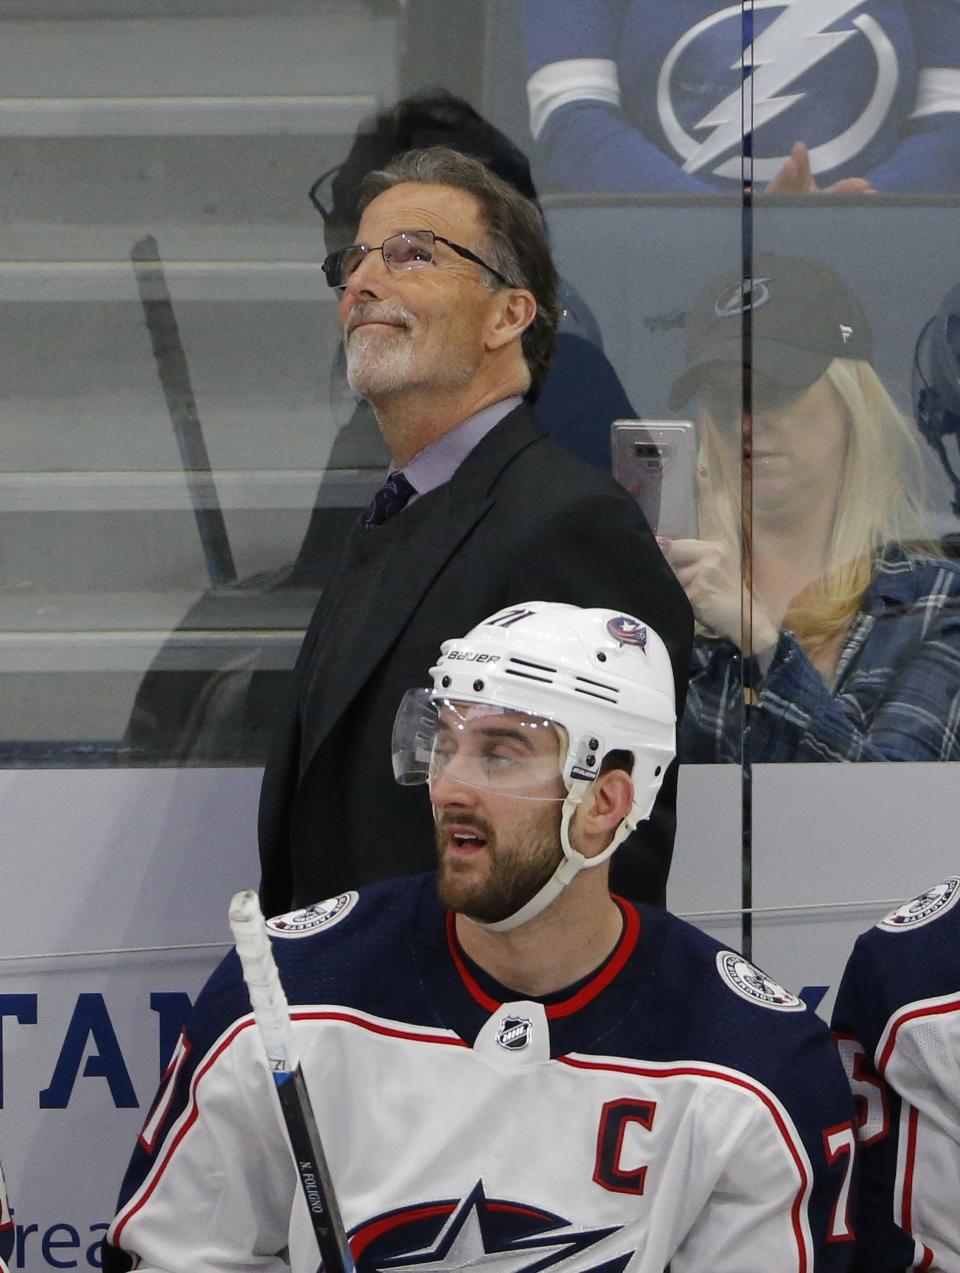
(515, 1033)
(924, 908)
(319, 915)
(752, 984)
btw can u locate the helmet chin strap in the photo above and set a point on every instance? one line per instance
(571, 865)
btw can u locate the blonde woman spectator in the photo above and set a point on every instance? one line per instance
(837, 637)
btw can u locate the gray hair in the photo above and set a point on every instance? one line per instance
(515, 238)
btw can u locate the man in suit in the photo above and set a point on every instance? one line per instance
(448, 308)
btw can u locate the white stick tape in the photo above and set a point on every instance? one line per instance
(270, 1008)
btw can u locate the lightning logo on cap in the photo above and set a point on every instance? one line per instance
(794, 42)
(743, 295)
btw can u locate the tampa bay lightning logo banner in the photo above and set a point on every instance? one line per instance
(840, 75)
(478, 1232)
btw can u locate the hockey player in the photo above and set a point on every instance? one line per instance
(897, 1021)
(7, 1231)
(645, 97)
(510, 1067)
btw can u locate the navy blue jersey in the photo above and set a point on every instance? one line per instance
(644, 96)
(677, 1106)
(897, 1022)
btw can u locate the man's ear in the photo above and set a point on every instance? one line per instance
(604, 806)
(516, 311)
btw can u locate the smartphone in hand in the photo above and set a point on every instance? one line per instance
(656, 461)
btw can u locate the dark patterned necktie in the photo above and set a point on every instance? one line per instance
(392, 496)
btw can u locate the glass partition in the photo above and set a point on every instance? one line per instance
(175, 426)
(753, 210)
(853, 583)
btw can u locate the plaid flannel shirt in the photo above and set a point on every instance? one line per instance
(895, 693)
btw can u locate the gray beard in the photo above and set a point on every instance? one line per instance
(377, 368)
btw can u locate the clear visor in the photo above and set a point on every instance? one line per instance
(479, 745)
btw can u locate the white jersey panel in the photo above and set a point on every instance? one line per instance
(405, 1116)
(919, 1056)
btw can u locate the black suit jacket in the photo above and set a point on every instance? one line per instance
(521, 520)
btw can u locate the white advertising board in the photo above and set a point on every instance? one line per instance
(117, 883)
(835, 847)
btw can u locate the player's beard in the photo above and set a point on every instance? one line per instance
(503, 875)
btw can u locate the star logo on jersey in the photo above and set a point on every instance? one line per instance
(924, 908)
(485, 1233)
(801, 51)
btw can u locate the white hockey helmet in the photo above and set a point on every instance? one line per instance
(604, 677)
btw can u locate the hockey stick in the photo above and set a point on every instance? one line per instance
(272, 1016)
(174, 373)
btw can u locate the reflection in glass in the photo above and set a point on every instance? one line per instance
(227, 711)
(642, 97)
(844, 626)
(936, 385)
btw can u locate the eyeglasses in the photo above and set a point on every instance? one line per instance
(322, 189)
(408, 250)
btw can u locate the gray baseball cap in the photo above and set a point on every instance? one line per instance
(803, 316)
